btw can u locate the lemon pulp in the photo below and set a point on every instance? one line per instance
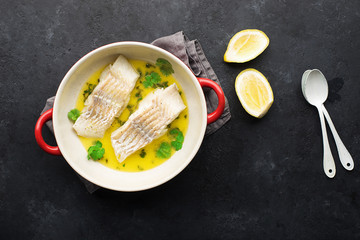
(254, 92)
(246, 45)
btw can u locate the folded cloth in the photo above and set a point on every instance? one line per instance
(191, 53)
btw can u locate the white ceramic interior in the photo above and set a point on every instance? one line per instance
(73, 150)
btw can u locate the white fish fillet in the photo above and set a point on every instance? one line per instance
(148, 122)
(108, 99)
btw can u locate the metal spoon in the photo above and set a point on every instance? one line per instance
(316, 96)
(344, 155)
(315, 91)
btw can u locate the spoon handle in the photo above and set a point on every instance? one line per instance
(328, 160)
(344, 155)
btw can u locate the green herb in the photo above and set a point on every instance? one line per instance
(180, 92)
(119, 121)
(130, 108)
(148, 65)
(140, 72)
(124, 165)
(143, 153)
(175, 131)
(164, 151)
(162, 84)
(138, 95)
(179, 138)
(73, 114)
(165, 66)
(96, 151)
(151, 80)
(185, 116)
(140, 168)
(176, 145)
(89, 90)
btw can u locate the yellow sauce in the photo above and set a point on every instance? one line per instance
(134, 162)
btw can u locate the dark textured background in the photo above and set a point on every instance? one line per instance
(253, 179)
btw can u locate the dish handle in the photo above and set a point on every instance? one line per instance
(46, 116)
(215, 115)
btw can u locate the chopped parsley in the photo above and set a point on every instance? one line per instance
(179, 138)
(165, 66)
(149, 65)
(151, 80)
(96, 152)
(142, 153)
(89, 90)
(138, 95)
(119, 121)
(140, 72)
(130, 108)
(162, 84)
(73, 114)
(164, 150)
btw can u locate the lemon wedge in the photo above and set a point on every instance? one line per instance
(254, 92)
(246, 45)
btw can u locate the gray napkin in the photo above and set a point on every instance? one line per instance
(191, 53)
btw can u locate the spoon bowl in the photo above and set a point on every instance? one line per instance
(315, 87)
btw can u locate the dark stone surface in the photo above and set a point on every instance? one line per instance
(253, 179)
